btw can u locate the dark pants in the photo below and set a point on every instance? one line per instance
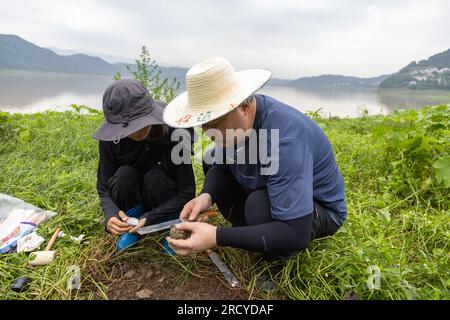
(249, 209)
(243, 208)
(130, 188)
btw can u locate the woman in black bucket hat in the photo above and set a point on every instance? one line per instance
(136, 177)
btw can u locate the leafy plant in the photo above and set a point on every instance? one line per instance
(148, 73)
(442, 166)
(314, 114)
(417, 148)
(79, 108)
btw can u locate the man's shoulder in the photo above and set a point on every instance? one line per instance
(279, 115)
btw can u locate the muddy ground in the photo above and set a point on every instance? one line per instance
(159, 280)
(147, 273)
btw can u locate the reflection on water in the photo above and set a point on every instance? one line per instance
(340, 102)
(343, 102)
(35, 93)
(26, 94)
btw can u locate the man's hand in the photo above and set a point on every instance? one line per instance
(203, 237)
(193, 208)
(118, 226)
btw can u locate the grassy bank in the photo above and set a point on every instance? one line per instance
(396, 172)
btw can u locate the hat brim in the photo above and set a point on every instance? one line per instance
(178, 113)
(116, 131)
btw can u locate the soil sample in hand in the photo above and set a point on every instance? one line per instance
(179, 234)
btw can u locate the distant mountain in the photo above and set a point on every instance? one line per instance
(279, 82)
(19, 54)
(329, 81)
(107, 57)
(433, 73)
(335, 81)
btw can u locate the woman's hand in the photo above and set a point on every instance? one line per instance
(118, 226)
(203, 237)
(193, 208)
(140, 224)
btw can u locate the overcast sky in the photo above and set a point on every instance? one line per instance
(290, 37)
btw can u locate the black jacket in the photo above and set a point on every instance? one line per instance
(143, 155)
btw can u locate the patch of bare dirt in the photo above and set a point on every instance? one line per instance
(144, 272)
(142, 279)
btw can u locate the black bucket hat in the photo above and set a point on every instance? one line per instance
(128, 107)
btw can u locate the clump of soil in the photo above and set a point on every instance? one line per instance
(351, 295)
(179, 234)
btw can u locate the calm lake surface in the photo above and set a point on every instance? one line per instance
(36, 93)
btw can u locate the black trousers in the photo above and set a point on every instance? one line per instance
(131, 187)
(254, 209)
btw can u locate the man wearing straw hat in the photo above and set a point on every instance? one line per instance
(277, 210)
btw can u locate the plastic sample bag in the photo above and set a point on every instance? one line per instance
(17, 220)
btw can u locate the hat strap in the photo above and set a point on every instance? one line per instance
(116, 141)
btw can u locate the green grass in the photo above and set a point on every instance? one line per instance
(398, 210)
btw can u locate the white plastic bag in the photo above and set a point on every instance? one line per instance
(30, 242)
(17, 219)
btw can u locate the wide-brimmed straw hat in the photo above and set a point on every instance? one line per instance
(213, 88)
(128, 107)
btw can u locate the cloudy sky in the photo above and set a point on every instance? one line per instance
(291, 37)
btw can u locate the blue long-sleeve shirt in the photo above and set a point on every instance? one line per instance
(307, 170)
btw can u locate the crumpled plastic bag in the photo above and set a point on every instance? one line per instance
(18, 219)
(29, 242)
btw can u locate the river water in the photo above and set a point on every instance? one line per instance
(36, 93)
